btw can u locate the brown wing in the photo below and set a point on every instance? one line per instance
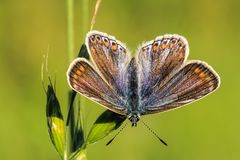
(158, 60)
(195, 80)
(111, 59)
(85, 80)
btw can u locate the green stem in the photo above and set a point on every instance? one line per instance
(71, 55)
(70, 30)
(84, 19)
(84, 29)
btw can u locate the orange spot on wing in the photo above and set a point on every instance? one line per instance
(197, 70)
(114, 46)
(173, 41)
(207, 78)
(202, 74)
(75, 76)
(164, 45)
(106, 42)
(81, 68)
(99, 40)
(155, 47)
(181, 55)
(78, 72)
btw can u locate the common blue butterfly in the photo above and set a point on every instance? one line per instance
(156, 80)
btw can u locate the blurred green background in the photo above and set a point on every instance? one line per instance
(208, 129)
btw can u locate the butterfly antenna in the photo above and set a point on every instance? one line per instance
(154, 133)
(109, 142)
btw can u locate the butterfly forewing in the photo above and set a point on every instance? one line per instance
(193, 81)
(85, 80)
(111, 58)
(158, 60)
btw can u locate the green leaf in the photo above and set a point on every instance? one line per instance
(107, 122)
(83, 52)
(79, 155)
(55, 121)
(76, 130)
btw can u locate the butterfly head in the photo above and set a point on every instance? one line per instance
(134, 118)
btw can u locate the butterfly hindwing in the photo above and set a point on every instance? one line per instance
(158, 60)
(194, 80)
(111, 59)
(85, 80)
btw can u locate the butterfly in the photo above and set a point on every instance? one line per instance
(157, 79)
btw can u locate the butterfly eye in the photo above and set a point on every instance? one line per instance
(114, 46)
(106, 42)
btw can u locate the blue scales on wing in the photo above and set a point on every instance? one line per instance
(106, 82)
(163, 75)
(158, 60)
(111, 58)
(193, 81)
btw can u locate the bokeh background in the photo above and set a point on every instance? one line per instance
(208, 129)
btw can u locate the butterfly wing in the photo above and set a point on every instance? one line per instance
(85, 80)
(193, 81)
(158, 60)
(165, 80)
(111, 59)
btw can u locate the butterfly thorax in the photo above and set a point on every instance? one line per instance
(132, 94)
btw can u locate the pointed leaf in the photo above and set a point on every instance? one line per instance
(78, 133)
(55, 121)
(107, 122)
(83, 52)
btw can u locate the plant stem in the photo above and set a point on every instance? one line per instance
(95, 13)
(84, 18)
(70, 30)
(70, 51)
